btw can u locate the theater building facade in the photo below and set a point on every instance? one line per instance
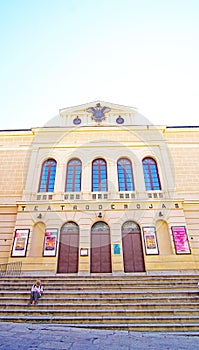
(100, 190)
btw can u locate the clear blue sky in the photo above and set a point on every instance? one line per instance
(60, 53)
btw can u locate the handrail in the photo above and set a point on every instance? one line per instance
(11, 269)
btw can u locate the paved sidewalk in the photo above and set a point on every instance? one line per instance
(27, 336)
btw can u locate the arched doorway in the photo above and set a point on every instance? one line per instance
(132, 247)
(100, 248)
(68, 248)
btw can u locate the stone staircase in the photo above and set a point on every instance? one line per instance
(137, 302)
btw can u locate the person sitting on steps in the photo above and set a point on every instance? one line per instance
(36, 292)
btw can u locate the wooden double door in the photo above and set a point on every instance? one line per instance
(100, 261)
(133, 257)
(68, 248)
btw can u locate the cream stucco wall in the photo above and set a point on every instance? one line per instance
(14, 154)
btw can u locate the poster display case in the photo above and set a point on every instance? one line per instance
(20, 242)
(150, 240)
(50, 242)
(180, 239)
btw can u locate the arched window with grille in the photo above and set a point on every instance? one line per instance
(47, 179)
(73, 175)
(151, 176)
(99, 176)
(125, 175)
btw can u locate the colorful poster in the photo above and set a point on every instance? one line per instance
(20, 242)
(50, 242)
(150, 240)
(180, 240)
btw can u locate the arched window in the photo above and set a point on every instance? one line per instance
(48, 173)
(73, 176)
(151, 176)
(125, 175)
(99, 175)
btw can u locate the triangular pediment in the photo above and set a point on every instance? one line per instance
(82, 109)
(98, 113)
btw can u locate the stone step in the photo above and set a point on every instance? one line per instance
(109, 279)
(60, 305)
(86, 303)
(102, 293)
(82, 298)
(103, 319)
(154, 280)
(128, 326)
(137, 327)
(103, 286)
(118, 313)
(101, 279)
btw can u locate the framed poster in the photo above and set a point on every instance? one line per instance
(150, 240)
(180, 240)
(50, 242)
(20, 242)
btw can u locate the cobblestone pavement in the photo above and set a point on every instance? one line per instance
(26, 336)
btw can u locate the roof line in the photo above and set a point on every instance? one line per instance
(7, 130)
(182, 126)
